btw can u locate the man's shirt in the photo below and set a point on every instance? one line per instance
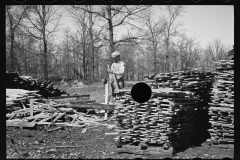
(118, 69)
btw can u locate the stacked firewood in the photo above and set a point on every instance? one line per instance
(169, 118)
(199, 83)
(45, 89)
(194, 80)
(222, 106)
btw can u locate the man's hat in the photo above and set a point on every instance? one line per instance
(115, 54)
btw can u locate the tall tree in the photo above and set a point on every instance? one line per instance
(171, 29)
(153, 33)
(187, 49)
(14, 16)
(216, 51)
(114, 16)
(41, 23)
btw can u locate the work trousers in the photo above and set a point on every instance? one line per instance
(120, 84)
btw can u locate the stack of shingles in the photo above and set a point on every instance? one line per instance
(167, 119)
(200, 84)
(222, 106)
(149, 77)
(194, 80)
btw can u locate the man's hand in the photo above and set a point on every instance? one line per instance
(109, 71)
(104, 80)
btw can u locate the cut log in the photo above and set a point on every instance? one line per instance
(74, 96)
(47, 147)
(20, 124)
(61, 124)
(224, 146)
(66, 109)
(54, 129)
(96, 106)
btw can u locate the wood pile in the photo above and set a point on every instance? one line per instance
(222, 106)
(199, 83)
(45, 89)
(168, 119)
(28, 109)
(149, 77)
(17, 98)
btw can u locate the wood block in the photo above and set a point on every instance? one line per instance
(20, 124)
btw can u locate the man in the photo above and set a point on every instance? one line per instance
(117, 70)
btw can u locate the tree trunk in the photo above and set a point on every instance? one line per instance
(92, 42)
(84, 64)
(12, 57)
(138, 73)
(111, 42)
(167, 58)
(45, 68)
(45, 60)
(97, 64)
(155, 64)
(127, 73)
(84, 54)
(132, 76)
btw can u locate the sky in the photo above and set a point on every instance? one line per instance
(209, 23)
(206, 23)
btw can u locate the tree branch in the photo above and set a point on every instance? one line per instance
(126, 40)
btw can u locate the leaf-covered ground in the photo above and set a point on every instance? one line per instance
(93, 144)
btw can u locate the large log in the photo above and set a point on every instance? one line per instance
(73, 96)
(82, 105)
(14, 123)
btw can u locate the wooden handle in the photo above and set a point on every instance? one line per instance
(114, 79)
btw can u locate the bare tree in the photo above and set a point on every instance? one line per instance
(41, 23)
(153, 34)
(14, 16)
(187, 50)
(215, 51)
(128, 56)
(171, 29)
(114, 16)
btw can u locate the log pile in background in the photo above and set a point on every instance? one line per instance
(222, 106)
(167, 119)
(45, 89)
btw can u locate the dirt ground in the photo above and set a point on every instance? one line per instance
(93, 144)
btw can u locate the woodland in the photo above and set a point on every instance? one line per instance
(37, 45)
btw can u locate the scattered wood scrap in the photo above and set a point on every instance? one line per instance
(39, 111)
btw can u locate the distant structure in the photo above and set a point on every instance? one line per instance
(231, 54)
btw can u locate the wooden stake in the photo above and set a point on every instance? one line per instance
(106, 97)
(106, 93)
(31, 106)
